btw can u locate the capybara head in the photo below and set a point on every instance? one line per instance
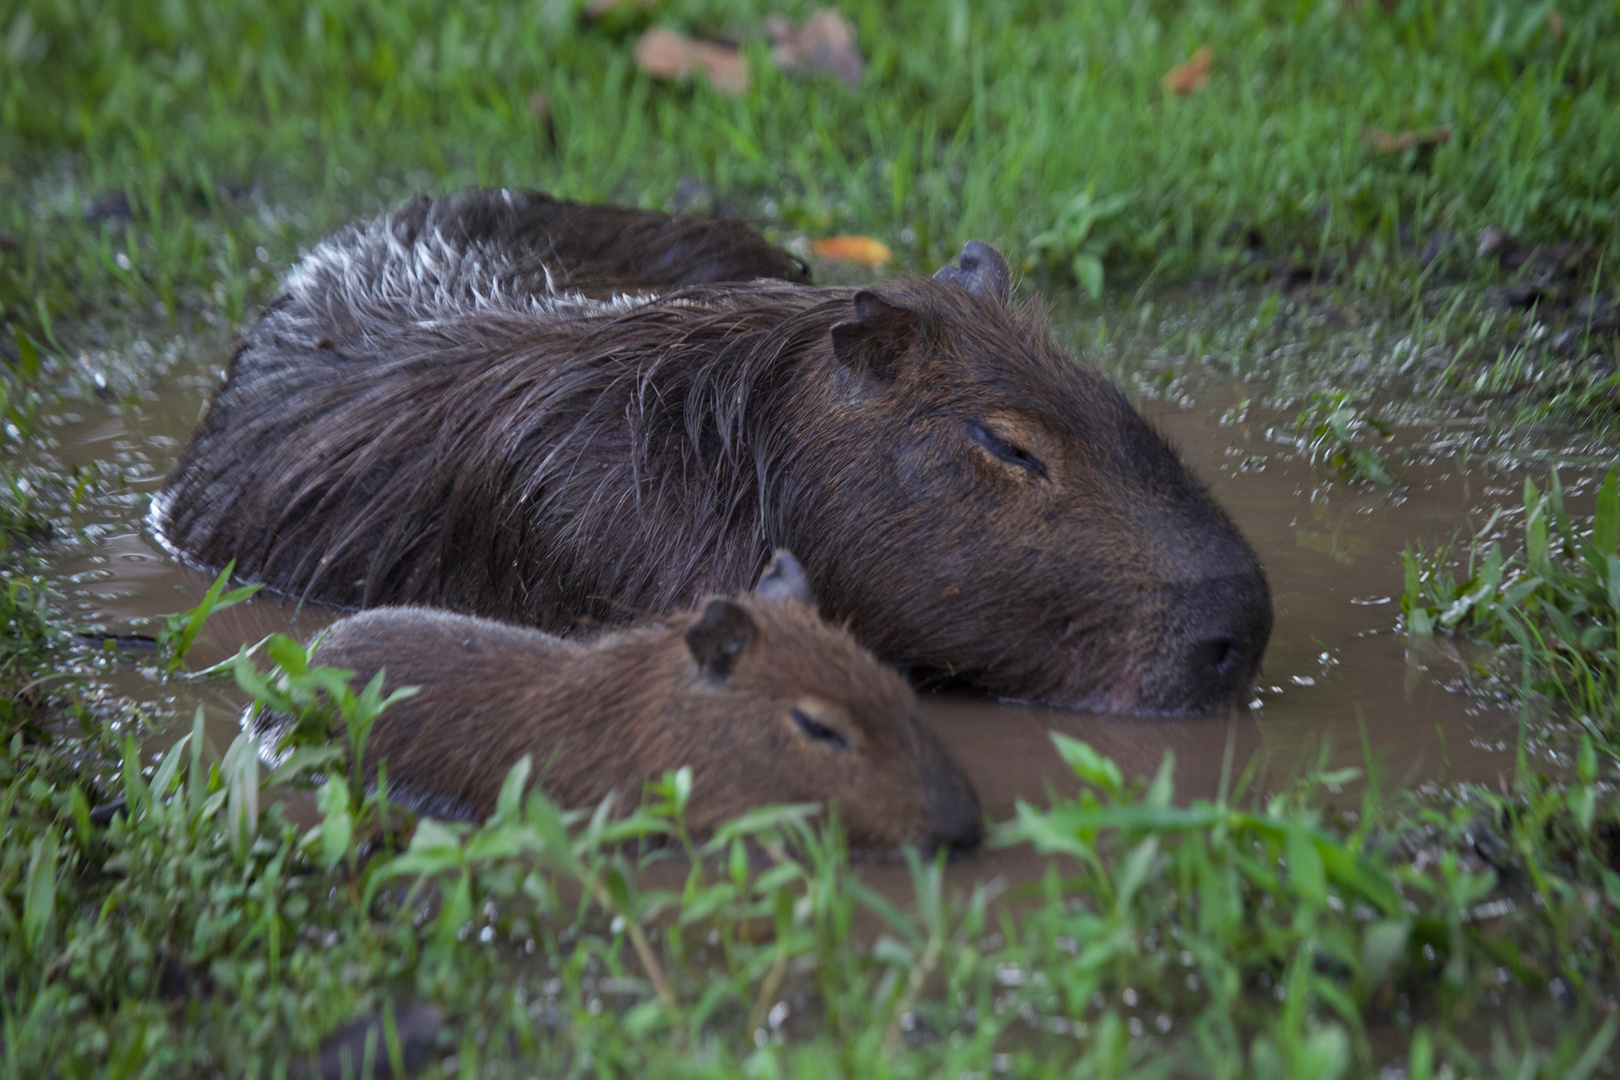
(1018, 524)
(765, 701)
(811, 716)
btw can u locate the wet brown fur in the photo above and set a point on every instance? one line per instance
(508, 455)
(609, 715)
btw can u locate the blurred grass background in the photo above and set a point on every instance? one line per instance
(238, 131)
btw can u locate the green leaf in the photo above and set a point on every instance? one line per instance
(191, 622)
(337, 824)
(894, 952)
(1305, 869)
(164, 778)
(509, 803)
(1163, 788)
(1382, 946)
(1606, 520)
(1412, 599)
(240, 773)
(1535, 529)
(761, 819)
(1088, 271)
(1134, 872)
(27, 353)
(287, 653)
(1596, 1053)
(1089, 765)
(302, 759)
(643, 1018)
(39, 891)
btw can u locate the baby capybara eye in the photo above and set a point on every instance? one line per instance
(819, 731)
(436, 411)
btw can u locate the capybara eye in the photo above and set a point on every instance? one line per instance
(1006, 451)
(819, 731)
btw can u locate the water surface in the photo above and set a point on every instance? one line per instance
(1336, 671)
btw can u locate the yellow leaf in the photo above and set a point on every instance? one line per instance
(857, 249)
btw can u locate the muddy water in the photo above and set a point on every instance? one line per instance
(1334, 668)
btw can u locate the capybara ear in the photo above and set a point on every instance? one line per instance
(877, 337)
(983, 272)
(784, 580)
(721, 634)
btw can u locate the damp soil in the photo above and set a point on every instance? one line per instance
(1337, 674)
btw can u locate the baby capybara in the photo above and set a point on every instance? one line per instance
(766, 703)
(418, 419)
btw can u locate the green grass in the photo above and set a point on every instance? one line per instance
(194, 929)
(1554, 598)
(241, 126)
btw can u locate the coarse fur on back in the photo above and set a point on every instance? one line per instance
(419, 422)
(761, 698)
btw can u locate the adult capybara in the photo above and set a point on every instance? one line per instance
(414, 421)
(766, 703)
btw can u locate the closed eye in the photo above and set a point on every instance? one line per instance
(1006, 451)
(819, 731)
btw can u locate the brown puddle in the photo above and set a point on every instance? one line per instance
(1332, 551)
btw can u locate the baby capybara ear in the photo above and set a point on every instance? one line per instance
(983, 272)
(720, 636)
(784, 580)
(877, 337)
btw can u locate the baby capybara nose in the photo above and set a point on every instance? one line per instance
(955, 821)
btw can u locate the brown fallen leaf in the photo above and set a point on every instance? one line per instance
(822, 43)
(856, 249)
(1191, 77)
(1389, 142)
(1555, 23)
(664, 54)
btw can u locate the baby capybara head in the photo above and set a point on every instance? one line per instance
(1022, 526)
(765, 701)
(807, 715)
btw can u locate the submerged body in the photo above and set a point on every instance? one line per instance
(419, 420)
(766, 703)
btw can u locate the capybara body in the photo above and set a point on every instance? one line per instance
(403, 426)
(765, 701)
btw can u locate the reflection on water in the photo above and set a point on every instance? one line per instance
(1334, 671)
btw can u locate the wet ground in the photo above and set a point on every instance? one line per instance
(1336, 667)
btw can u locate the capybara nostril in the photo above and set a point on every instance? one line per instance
(1217, 656)
(1213, 635)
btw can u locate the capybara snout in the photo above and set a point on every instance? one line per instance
(765, 701)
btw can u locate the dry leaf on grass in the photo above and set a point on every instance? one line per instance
(1192, 76)
(1555, 23)
(1392, 142)
(824, 42)
(664, 54)
(856, 249)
